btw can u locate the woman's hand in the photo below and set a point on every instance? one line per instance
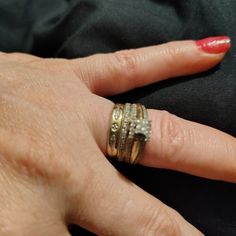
(53, 131)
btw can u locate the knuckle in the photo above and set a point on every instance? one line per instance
(170, 56)
(160, 222)
(172, 137)
(127, 60)
(172, 51)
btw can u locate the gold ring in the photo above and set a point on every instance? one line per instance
(129, 131)
(116, 119)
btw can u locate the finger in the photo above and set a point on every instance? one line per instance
(179, 144)
(112, 205)
(190, 147)
(109, 74)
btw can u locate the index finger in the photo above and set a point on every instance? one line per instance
(113, 73)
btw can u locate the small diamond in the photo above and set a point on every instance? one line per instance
(114, 127)
(143, 129)
(117, 113)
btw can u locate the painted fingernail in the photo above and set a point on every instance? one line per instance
(215, 45)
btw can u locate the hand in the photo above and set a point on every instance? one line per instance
(53, 131)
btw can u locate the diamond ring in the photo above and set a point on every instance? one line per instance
(129, 131)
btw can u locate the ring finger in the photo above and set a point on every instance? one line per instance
(175, 143)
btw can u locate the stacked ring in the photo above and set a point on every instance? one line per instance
(117, 116)
(129, 131)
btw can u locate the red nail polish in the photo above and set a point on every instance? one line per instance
(215, 45)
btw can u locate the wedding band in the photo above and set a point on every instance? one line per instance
(116, 119)
(129, 131)
(123, 132)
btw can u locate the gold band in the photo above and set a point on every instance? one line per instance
(117, 117)
(130, 137)
(124, 132)
(138, 141)
(129, 132)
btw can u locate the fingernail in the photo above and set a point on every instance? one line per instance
(215, 45)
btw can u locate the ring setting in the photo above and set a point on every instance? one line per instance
(129, 131)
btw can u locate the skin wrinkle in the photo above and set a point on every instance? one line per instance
(160, 224)
(87, 76)
(172, 137)
(169, 140)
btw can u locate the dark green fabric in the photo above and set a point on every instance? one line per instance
(77, 28)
